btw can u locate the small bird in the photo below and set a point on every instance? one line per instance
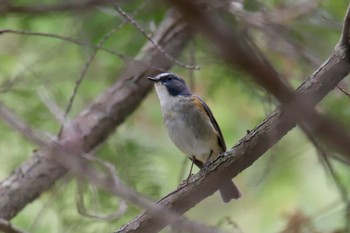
(191, 126)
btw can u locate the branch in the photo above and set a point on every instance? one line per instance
(81, 165)
(155, 44)
(240, 52)
(257, 141)
(83, 72)
(343, 90)
(272, 24)
(242, 155)
(95, 123)
(64, 38)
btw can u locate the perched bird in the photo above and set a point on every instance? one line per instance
(191, 126)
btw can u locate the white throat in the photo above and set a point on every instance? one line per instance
(166, 100)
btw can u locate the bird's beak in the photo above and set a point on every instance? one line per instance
(153, 79)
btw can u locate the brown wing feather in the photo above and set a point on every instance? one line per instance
(213, 121)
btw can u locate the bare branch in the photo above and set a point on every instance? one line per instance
(243, 54)
(113, 185)
(243, 154)
(91, 131)
(87, 64)
(155, 44)
(125, 58)
(264, 136)
(64, 38)
(95, 124)
(343, 90)
(85, 69)
(73, 158)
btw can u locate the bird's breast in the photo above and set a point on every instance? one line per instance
(189, 129)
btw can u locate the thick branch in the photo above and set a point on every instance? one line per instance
(82, 166)
(254, 144)
(99, 120)
(238, 52)
(247, 151)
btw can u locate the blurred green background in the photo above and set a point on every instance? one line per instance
(287, 183)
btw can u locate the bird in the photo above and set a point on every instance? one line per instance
(191, 126)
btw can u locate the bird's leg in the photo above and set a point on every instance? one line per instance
(207, 162)
(189, 174)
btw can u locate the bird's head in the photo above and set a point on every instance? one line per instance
(170, 85)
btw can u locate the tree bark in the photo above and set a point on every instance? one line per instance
(246, 151)
(99, 120)
(256, 142)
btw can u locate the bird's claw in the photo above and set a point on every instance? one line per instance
(206, 165)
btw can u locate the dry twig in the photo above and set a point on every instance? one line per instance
(260, 139)
(94, 124)
(155, 44)
(78, 163)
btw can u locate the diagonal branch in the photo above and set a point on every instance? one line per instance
(95, 123)
(63, 38)
(257, 141)
(81, 165)
(244, 153)
(240, 52)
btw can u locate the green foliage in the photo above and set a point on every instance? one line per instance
(289, 178)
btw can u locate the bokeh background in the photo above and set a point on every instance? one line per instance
(287, 187)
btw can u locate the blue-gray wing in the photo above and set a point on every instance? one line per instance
(213, 121)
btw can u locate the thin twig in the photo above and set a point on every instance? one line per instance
(85, 69)
(343, 90)
(88, 131)
(72, 159)
(125, 58)
(88, 63)
(65, 38)
(155, 44)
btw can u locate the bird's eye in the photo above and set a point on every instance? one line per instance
(170, 78)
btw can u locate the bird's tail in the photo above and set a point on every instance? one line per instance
(229, 191)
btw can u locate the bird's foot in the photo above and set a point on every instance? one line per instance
(206, 165)
(188, 177)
